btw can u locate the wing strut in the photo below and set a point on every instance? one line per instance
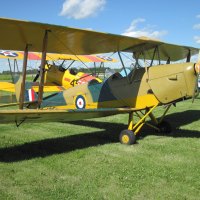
(42, 67)
(188, 56)
(22, 91)
(123, 66)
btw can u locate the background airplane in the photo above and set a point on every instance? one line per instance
(57, 76)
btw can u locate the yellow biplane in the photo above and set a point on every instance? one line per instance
(161, 81)
(57, 77)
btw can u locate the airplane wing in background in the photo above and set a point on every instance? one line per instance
(48, 87)
(51, 56)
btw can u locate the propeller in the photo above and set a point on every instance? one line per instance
(197, 71)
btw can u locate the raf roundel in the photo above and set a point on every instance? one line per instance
(80, 102)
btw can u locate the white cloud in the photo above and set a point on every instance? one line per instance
(79, 9)
(134, 31)
(197, 39)
(90, 29)
(134, 24)
(196, 26)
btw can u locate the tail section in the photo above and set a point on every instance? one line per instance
(17, 80)
(29, 95)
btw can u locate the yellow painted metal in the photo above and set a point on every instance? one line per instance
(138, 128)
(144, 117)
(130, 121)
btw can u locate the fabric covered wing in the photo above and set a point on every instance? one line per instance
(15, 35)
(12, 116)
(54, 56)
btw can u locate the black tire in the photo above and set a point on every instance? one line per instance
(164, 127)
(127, 137)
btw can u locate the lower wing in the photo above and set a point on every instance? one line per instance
(48, 87)
(6, 86)
(34, 115)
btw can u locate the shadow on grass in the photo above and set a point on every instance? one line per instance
(47, 147)
(109, 134)
(176, 120)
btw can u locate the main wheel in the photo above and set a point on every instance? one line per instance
(127, 137)
(165, 127)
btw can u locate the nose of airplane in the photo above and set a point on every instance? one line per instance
(197, 68)
(191, 76)
(196, 89)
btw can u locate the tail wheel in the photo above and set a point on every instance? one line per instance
(127, 137)
(165, 127)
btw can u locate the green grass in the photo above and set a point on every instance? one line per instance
(8, 77)
(5, 77)
(84, 160)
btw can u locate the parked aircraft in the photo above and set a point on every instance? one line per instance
(140, 92)
(57, 76)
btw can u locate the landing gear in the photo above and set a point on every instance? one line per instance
(127, 137)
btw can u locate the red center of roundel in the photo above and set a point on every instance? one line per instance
(80, 103)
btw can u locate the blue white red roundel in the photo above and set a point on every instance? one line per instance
(80, 102)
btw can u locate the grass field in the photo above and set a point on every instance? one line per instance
(84, 160)
(8, 77)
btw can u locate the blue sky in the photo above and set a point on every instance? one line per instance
(174, 21)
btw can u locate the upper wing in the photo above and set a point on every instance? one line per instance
(35, 115)
(54, 56)
(83, 58)
(15, 35)
(19, 55)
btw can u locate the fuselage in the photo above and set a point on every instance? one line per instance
(142, 88)
(67, 78)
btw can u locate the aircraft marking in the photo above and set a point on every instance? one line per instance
(80, 102)
(8, 53)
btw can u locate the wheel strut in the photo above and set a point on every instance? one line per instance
(128, 136)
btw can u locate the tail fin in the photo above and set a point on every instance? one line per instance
(17, 80)
(30, 95)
